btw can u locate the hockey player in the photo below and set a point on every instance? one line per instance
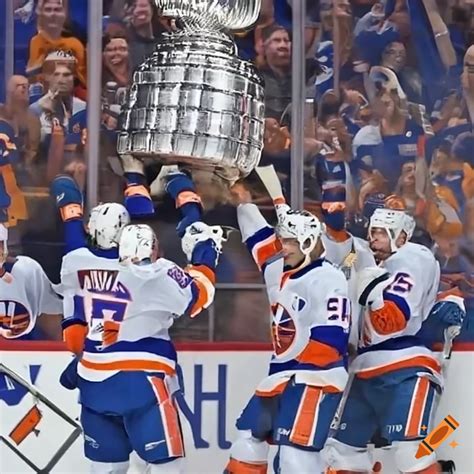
(294, 405)
(97, 248)
(111, 353)
(26, 294)
(127, 372)
(397, 378)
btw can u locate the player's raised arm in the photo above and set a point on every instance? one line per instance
(260, 238)
(171, 288)
(69, 202)
(180, 186)
(202, 245)
(138, 200)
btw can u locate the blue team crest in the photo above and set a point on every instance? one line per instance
(14, 317)
(298, 303)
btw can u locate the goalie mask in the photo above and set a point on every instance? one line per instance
(138, 245)
(106, 222)
(300, 225)
(394, 222)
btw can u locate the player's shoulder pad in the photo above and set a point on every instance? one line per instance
(27, 264)
(326, 274)
(415, 257)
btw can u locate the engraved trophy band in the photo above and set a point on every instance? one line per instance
(194, 101)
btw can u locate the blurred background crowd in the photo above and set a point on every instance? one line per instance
(389, 106)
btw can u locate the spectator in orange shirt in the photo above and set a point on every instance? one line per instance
(52, 16)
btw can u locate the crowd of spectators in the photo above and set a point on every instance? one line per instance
(389, 110)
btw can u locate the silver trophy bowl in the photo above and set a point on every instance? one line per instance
(194, 101)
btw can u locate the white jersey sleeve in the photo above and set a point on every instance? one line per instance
(40, 289)
(338, 253)
(262, 243)
(25, 293)
(174, 290)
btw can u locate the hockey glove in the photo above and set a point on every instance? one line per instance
(69, 378)
(68, 198)
(448, 312)
(202, 244)
(181, 188)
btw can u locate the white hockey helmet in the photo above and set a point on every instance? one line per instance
(394, 222)
(3, 244)
(138, 245)
(106, 222)
(300, 225)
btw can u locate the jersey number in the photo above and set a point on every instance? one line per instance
(402, 284)
(104, 314)
(339, 312)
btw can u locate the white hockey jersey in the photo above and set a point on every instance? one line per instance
(25, 294)
(310, 308)
(351, 256)
(128, 311)
(411, 292)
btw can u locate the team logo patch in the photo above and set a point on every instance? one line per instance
(283, 329)
(14, 318)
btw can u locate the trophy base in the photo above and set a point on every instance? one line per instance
(200, 152)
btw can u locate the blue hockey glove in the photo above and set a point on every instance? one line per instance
(449, 313)
(68, 197)
(69, 378)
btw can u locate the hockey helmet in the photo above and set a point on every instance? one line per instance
(300, 225)
(138, 245)
(106, 222)
(394, 222)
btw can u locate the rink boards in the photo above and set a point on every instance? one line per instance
(219, 379)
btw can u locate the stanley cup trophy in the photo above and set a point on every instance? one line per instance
(194, 102)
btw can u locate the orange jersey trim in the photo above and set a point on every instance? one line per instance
(74, 336)
(388, 319)
(265, 250)
(419, 361)
(206, 271)
(417, 408)
(234, 466)
(318, 353)
(173, 435)
(204, 278)
(275, 391)
(129, 365)
(307, 416)
(111, 331)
